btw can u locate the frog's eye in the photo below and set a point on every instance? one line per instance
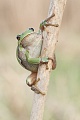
(18, 37)
(31, 29)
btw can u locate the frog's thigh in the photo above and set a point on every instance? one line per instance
(31, 79)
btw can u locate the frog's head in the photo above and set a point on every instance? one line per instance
(24, 34)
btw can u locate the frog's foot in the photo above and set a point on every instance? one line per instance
(53, 62)
(32, 81)
(45, 60)
(37, 90)
(45, 23)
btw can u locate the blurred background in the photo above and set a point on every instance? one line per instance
(63, 99)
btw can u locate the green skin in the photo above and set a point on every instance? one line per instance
(28, 53)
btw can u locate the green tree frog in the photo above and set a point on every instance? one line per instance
(29, 50)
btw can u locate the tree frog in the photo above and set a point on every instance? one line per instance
(29, 50)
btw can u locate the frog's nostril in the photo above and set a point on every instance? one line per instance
(18, 37)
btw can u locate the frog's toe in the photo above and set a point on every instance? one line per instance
(37, 90)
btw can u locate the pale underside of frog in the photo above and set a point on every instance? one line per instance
(29, 51)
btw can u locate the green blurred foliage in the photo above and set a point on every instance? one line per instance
(63, 99)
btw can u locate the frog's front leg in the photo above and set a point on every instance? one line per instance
(45, 23)
(31, 81)
(37, 60)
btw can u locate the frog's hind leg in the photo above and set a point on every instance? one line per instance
(32, 81)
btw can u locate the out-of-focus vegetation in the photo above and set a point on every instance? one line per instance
(63, 99)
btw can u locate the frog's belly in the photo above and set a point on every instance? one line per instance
(29, 66)
(25, 63)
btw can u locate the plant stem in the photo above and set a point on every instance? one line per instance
(50, 38)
